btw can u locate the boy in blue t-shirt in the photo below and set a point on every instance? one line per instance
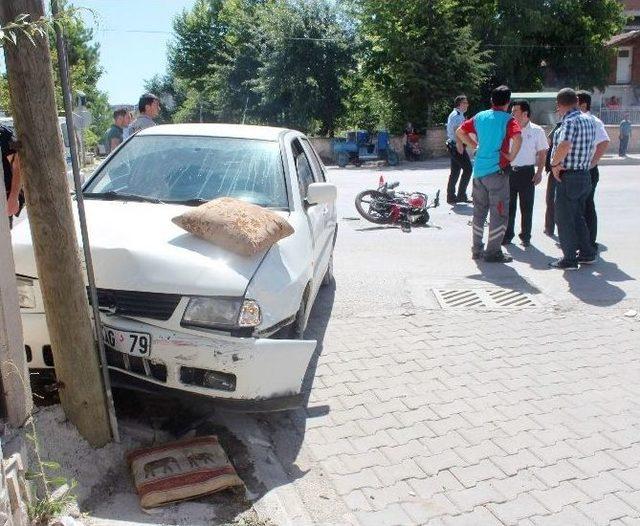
(498, 143)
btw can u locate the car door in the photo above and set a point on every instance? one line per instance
(329, 209)
(316, 214)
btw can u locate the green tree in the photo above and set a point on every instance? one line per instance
(197, 44)
(84, 67)
(304, 52)
(542, 42)
(418, 54)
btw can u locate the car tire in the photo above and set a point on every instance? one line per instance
(343, 159)
(328, 275)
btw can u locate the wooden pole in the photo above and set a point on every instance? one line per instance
(63, 68)
(14, 374)
(52, 228)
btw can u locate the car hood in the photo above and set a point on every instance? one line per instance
(135, 246)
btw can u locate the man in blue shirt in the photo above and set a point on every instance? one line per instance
(460, 160)
(573, 147)
(498, 142)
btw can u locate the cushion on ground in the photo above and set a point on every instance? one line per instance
(235, 225)
(181, 470)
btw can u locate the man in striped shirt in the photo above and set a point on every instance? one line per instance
(573, 146)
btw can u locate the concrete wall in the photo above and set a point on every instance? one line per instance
(433, 143)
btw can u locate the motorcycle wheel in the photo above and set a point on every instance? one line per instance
(364, 200)
(424, 218)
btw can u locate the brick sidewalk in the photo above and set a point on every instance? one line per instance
(469, 417)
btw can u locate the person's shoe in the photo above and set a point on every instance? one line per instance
(506, 241)
(587, 260)
(464, 199)
(548, 233)
(498, 257)
(563, 264)
(525, 243)
(477, 254)
(452, 200)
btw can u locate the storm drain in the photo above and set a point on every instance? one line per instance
(494, 299)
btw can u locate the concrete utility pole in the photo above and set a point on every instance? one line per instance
(52, 228)
(16, 389)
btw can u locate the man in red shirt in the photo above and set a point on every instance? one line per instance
(498, 142)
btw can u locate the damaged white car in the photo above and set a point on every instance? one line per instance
(180, 312)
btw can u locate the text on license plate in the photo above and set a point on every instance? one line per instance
(137, 343)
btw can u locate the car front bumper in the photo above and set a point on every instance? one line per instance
(242, 370)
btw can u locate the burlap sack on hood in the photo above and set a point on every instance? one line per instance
(235, 225)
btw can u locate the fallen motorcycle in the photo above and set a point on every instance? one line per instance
(386, 206)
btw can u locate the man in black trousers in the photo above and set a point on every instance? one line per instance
(525, 172)
(460, 160)
(601, 145)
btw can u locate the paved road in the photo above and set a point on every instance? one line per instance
(419, 414)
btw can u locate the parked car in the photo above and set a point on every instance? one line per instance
(180, 312)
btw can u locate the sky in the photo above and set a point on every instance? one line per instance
(133, 37)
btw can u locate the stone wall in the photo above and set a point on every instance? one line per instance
(433, 143)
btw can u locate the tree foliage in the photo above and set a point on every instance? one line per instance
(544, 42)
(265, 61)
(321, 65)
(418, 53)
(84, 62)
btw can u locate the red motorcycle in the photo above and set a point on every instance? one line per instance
(386, 206)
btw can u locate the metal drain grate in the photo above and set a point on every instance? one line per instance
(495, 299)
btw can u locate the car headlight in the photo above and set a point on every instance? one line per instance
(221, 313)
(26, 293)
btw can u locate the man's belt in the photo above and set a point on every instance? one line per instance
(524, 167)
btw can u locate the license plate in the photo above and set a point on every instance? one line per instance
(136, 343)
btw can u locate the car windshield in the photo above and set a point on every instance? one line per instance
(192, 170)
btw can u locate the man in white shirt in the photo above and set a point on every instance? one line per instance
(601, 144)
(460, 160)
(525, 172)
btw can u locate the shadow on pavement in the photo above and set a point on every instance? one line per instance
(462, 209)
(593, 284)
(532, 255)
(503, 275)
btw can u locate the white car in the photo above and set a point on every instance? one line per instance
(180, 312)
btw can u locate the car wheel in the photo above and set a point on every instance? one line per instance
(328, 275)
(343, 159)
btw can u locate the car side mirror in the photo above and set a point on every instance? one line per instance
(321, 193)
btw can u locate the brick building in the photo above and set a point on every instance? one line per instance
(622, 94)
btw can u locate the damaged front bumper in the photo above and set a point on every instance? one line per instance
(250, 373)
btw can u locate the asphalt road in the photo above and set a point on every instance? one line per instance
(383, 270)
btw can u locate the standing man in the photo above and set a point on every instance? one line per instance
(550, 197)
(114, 134)
(149, 108)
(601, 144)
(12, 175)
(573, 147)
(525, 173)
(625, 135)
(126, 130)
(460, 160)
(499, 142)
